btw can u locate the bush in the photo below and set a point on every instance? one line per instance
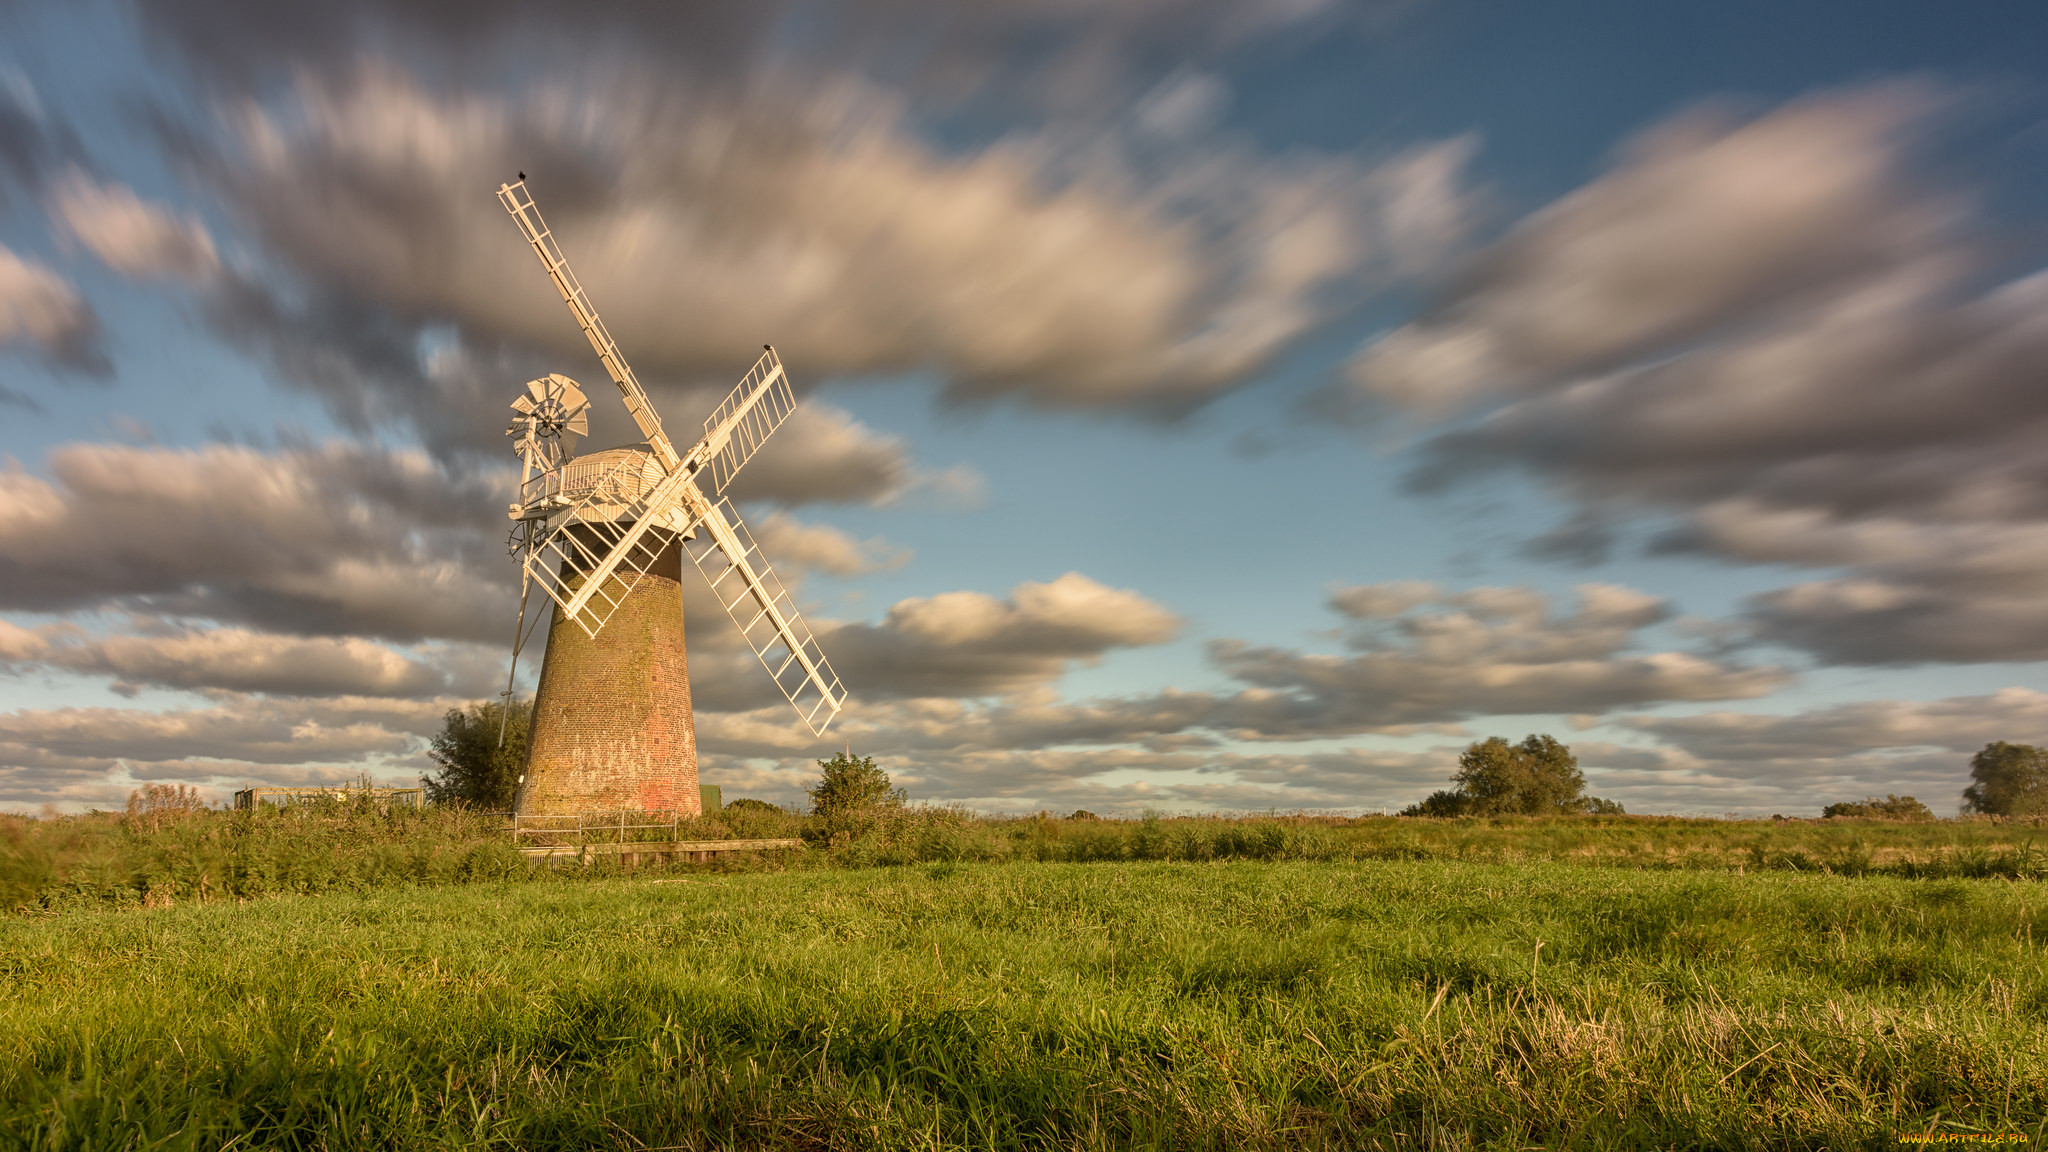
(848, 784)
(1442, 804)
(1889, 808)
(152, 807)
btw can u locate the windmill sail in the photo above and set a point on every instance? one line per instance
(519, 202)
(592, 528)
(755, 410)
(756, 600)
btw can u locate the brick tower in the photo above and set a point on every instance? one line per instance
(612, 727)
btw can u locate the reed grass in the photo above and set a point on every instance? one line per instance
(1227, 1004)
(112, 859)
(154, 859)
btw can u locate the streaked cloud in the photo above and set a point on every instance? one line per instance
(1957, 724)
(1702, 223)
(1778, 337)
(41, 309)
(1423, 660)
(1422, 655)
(324, 540)
(1059, 59)
(94, 756)
(129, 234)
(239, 660)
(1061, 270)
(972, 644)
(32, 143)
(785, 541)
(1775, 338)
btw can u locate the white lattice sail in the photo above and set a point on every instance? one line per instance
(754, 597)
(590, 528)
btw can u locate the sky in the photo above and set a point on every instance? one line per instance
(1205, 406)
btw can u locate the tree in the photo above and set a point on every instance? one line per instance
(849, 783)
(1538, 777)
(475, 771)
(2010, 780)
(1889, 808)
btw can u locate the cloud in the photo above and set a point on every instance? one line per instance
(1031, 716)
(1891, 399)
(239, 660)
(994, 58)
(20, 645)
(1183, 104)
(31, 143)
(1800, 762)
(1701, 224)
(1711, 762)
(964, 644)
(1891, 431)
(964, 674)
(1127, 780)
(327, 540)
(1917, 590)
(93, 756)
(953, 645)
(131, 235)
(821, 453)
(786, 542)
(1957, 724)
(992, 730)
(289, 571)
(1383, 601)
(1775, 339)
(1423, 655)
(39, 307)
(1066, 270)
(1123, 781)
(375, 372)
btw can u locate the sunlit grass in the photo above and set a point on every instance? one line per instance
(1236, 1004)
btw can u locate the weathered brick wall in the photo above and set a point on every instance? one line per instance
(612, 727)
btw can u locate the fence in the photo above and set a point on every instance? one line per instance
(249, 798)
(626, 836)
(596, 828)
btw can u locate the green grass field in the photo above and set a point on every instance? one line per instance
(1343, 1004)
(106, 860)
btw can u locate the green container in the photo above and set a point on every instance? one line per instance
(708, 797)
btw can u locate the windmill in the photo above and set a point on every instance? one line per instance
(601, 534)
